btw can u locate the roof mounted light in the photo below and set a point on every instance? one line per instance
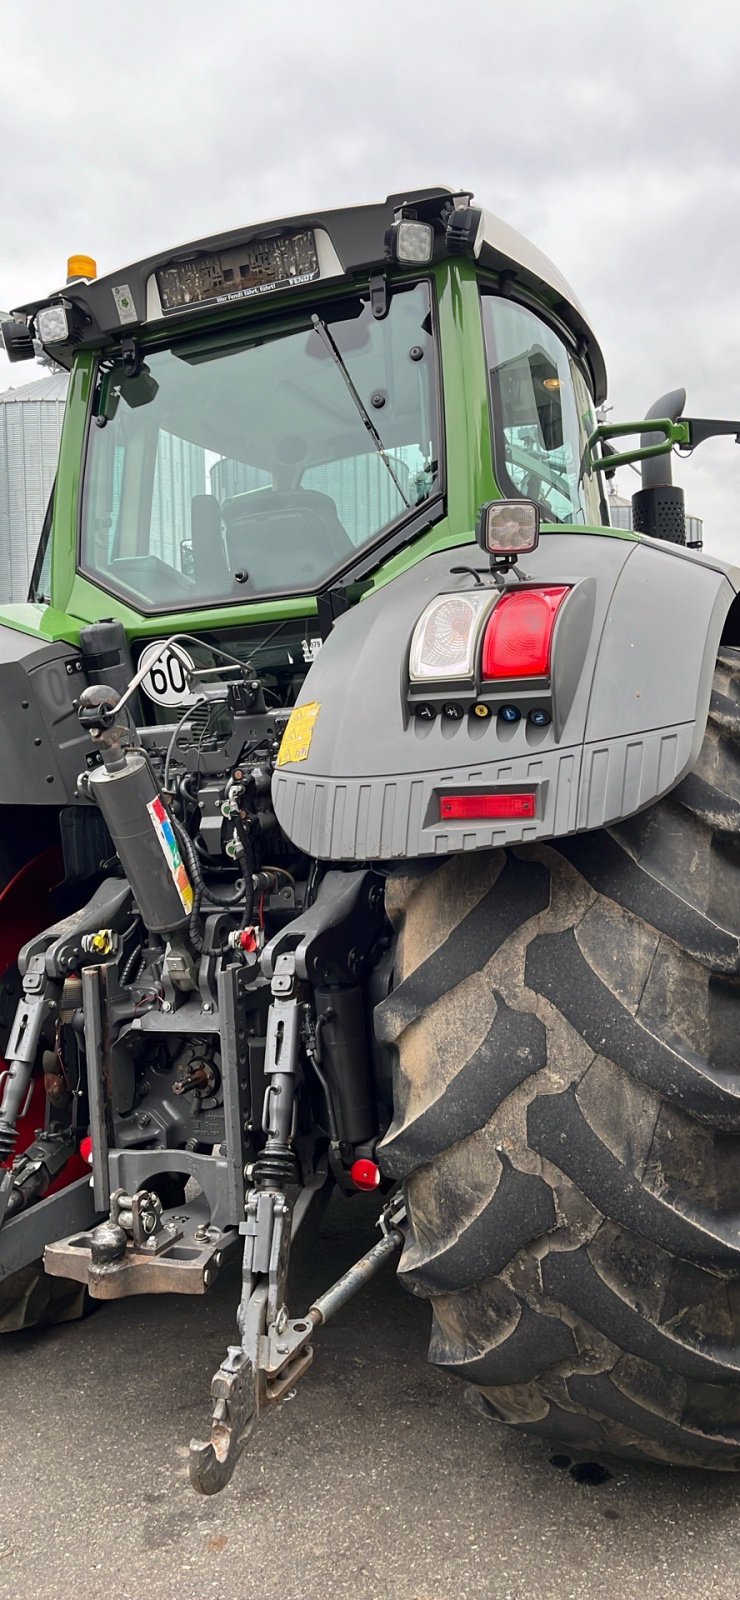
(464, 226)
(61, 322)
(52, 324)
(508, 529)
(410, 242)
(17, 340)
(81, 267)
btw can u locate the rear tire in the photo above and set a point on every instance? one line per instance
(565, 1029)
(29, 1298)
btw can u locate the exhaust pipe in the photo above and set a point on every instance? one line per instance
(658, 507)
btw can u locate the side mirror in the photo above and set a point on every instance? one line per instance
(117, 384)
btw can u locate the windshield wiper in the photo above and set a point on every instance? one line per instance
(329, 344)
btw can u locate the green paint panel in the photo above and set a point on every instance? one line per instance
(469, 480)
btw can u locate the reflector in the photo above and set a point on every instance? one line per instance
(518, 639)
(462, 807)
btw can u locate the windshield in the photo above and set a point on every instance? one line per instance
(542, 414)
(234, 466)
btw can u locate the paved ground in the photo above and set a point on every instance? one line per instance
(375, 1481)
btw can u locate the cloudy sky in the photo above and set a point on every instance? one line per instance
(607, 132)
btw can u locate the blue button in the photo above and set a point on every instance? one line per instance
(510, 714)
(540, 718)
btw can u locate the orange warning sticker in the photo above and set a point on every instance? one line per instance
(298, 733)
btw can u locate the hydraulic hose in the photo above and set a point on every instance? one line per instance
(244, 896)
(132, 965)
(191, 857)
(15, 1093)
(22, 1048)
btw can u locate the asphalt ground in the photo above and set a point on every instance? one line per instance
(377, 1481)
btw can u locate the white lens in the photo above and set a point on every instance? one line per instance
(51, 325)
(414, 241)
(445, 637)
(511, 525)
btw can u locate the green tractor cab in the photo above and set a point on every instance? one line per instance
(379, 802)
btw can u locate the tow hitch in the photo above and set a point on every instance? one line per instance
(275, 1350)
(142, 1249)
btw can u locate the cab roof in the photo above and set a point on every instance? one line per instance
(351, 243)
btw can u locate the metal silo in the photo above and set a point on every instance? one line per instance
(30, 426)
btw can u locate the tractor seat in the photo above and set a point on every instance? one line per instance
(284, 537)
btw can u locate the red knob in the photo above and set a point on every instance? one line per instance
(364, 1174)
(86, 1150)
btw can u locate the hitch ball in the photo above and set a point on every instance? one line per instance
(107, 1244)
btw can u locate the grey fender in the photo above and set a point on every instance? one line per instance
(42, 746)
(633, 657)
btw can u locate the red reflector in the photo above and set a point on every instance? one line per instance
(364, 1173)
(458, 807)
(518, 638)
(86, 1150)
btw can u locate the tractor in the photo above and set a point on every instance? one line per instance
(371, 818)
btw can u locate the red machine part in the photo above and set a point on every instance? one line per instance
(24, 910)
(365, 1174)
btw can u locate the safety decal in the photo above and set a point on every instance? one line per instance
(298, 733)
(170, 849)
(124, 303)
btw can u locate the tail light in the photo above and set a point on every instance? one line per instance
(445, 640)
(518, 639)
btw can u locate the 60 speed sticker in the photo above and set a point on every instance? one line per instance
(168, 679)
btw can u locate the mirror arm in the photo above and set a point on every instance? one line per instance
(674, 433)
(686, 433)
(701, 429)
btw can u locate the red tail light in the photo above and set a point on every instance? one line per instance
(478, 807)
(518, 639)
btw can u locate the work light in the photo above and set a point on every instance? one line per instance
(508, 528)
(52, 325)
(411, 242)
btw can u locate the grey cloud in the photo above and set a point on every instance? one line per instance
(607, 133)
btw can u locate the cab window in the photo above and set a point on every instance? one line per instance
(241, 464)
(542, 415)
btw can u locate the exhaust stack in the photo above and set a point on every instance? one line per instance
(658, 507)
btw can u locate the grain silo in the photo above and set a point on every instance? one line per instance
(30, 426)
